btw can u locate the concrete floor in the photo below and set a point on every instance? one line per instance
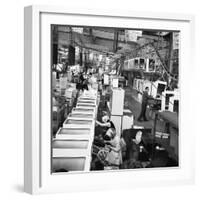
(132, 103)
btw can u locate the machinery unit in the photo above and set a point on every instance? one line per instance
(147, 83)
(95, 86)
(69, 92)
(144, 64)
(72, 146)
(63, 82)
(150, 67)
(89, 94)
(117, 101)
(168, 100)
(71, 155)
(117, 121)
(87, 107)
(74, 133)
(127, 119)
(67, 163)
(158, 87)
(54, 80)
(174, 140)
(126, 65)
(78, 123)
(174, 102)
(115, 82)
(84, 110)
(140, 85)
(86, 101)
(86, 104)
(106, 80)
(80, 116)
(135, 83)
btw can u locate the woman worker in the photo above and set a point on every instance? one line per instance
(114, 157)
(101, 129)
(109, 154)
(105, 124)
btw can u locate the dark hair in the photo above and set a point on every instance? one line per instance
(106, 137)
(104, 113)
(113, 129)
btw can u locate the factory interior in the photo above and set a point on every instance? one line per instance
(115, 99)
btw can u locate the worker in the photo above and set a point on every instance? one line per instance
(79, 81)
(145, 98)
(106, 123)
(85, 85)
(108, 151)
(90, 80)
(102, 127)
(137, 153)
(137, 145)
(81, 78)
(114, 157)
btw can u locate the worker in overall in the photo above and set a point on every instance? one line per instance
(105, 124)
(114, 157)
(103, 128)
(145, 98)
(109, 152)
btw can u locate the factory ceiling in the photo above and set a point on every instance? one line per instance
(104, 40)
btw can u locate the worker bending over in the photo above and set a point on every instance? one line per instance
(112, 141)
(106, 122)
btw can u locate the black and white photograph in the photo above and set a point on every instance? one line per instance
(114, 98)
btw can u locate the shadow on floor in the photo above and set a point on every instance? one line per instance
(18, 188)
